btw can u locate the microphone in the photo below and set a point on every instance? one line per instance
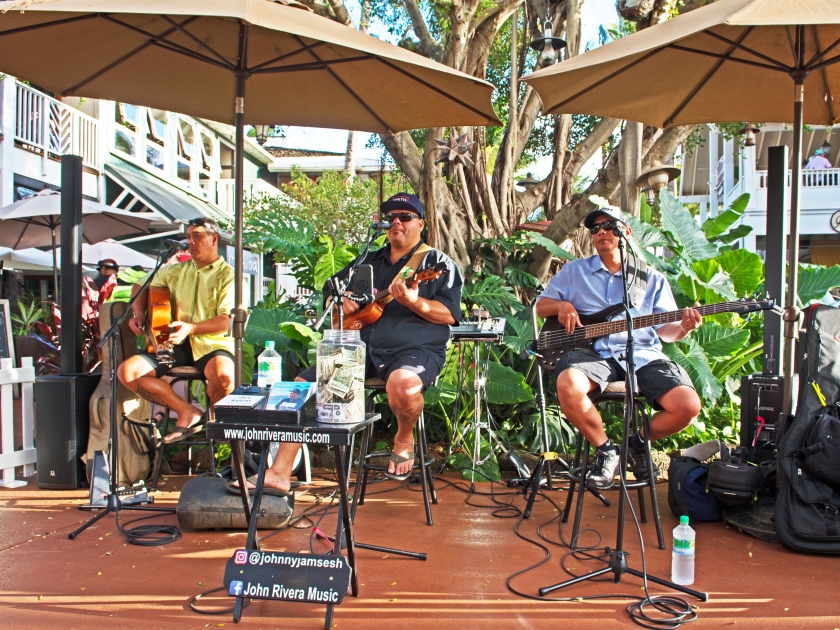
(182, 245)
(381, 225)
(618, 230)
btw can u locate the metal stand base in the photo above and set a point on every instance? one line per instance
(114, 506)
(534, 481)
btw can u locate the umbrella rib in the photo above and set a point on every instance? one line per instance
(609, 77)
(705, 80)
(825, 64)
(819, 54)
(216, 54)
(35, 27)
(434, 88)
(159, 40)
(746, 49)
(113, 64)
(285, 56)
(706, 53)
(346, 87)
(310, 66)
(824, 74)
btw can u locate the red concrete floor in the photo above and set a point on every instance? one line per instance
(99, 581)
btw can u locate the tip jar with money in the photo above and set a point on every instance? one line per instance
(340, 370)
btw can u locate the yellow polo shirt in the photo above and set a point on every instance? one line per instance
(199, 295)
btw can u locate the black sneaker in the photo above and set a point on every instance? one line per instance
(637, 458)
(602, 476)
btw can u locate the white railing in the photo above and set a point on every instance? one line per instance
(51, 128)
(253, 188)
(811, 178)
(10, 458)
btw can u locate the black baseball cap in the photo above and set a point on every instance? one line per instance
(403, 201)
(108, 263)
(608, 211)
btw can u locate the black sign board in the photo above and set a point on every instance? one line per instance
(291, 577)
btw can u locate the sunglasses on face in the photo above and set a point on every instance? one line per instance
(404, 217)
(609, 226)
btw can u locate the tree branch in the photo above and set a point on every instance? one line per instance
(427, 46)
(319, 8)
(340, 12)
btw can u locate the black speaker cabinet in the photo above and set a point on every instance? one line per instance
(61, 428)
(761, 395)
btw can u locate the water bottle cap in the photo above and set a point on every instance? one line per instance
(683, 520)
(269, 344)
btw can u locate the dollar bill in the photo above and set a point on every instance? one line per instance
(341, 381)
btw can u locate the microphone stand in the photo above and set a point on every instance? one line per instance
(617, 564)
(112, 338)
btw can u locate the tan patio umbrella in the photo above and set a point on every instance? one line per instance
(196, 56)
(731, 61)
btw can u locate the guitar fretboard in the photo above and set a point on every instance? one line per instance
(645, 321)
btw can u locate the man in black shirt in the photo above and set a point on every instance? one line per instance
(406, 347)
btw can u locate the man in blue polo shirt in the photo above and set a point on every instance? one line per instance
(590, 285)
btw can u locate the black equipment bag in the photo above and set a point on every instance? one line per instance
(206, 503)
(732, 481)
(807, 509)
(688, 493)
(821, 453)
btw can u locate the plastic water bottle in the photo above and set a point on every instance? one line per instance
(682, 557)
(268, 371)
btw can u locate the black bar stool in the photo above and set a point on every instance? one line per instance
(614, 392)
(187, 375)
(375, 387)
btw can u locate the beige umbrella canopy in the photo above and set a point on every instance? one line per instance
(731, 61)
(197, 56)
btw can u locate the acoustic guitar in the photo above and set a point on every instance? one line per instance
(159, 318)
(554, 341)
(372, 312)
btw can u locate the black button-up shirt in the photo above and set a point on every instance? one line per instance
(400, 330)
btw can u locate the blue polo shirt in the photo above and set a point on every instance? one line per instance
(590, 287)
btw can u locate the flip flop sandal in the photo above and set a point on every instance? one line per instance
(235, 489)
(267, 490)
(399, 459)
(184, 433)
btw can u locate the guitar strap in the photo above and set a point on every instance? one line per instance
(410, 267)
(638, 286)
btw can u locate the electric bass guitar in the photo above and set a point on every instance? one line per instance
(554, 341)
(158, 318)
(373, 311)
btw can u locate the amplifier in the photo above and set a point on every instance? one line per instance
(492, 329)
(761, 404)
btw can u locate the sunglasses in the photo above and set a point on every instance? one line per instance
(206, 223)
(404, 217)
(609, 226)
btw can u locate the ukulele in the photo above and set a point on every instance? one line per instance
(554, 341)
(158, 318)
(372, 312)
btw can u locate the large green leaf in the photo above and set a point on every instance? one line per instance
(505, 386)
(745, 268)
(720, 341)
(645, 234)
(264, 325)
(705, 281)
(715, 226)
(443, 393)
(299, 331)
(494, 294)
(522, 336)
(684, 229)
(248, 363)
(332, 260)
(816, 280)
(733, 235)
(689, 355)
(553, 248)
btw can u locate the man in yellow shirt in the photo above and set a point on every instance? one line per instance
(201, 290)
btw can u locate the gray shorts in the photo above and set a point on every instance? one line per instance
(654, 379)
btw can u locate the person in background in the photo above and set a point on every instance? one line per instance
(107, 268)
(818, 160)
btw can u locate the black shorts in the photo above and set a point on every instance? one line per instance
(421, 364)
(654, 379)
(183, 357)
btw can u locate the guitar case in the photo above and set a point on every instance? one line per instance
(136, 432)
(807, 507)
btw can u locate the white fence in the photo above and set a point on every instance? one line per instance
(10, 458)
(50, 127)
(811, 178)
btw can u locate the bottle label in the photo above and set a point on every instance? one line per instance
(684, 547)
(269, 364)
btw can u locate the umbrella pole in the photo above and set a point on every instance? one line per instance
(55, 267)
(240, 315)
(791, 314)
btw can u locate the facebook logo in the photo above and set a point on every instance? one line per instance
(235, 588)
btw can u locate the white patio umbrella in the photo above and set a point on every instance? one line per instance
(26, 259)
(122, 255)
(32, 222)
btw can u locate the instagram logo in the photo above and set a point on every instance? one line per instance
(240, 557)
